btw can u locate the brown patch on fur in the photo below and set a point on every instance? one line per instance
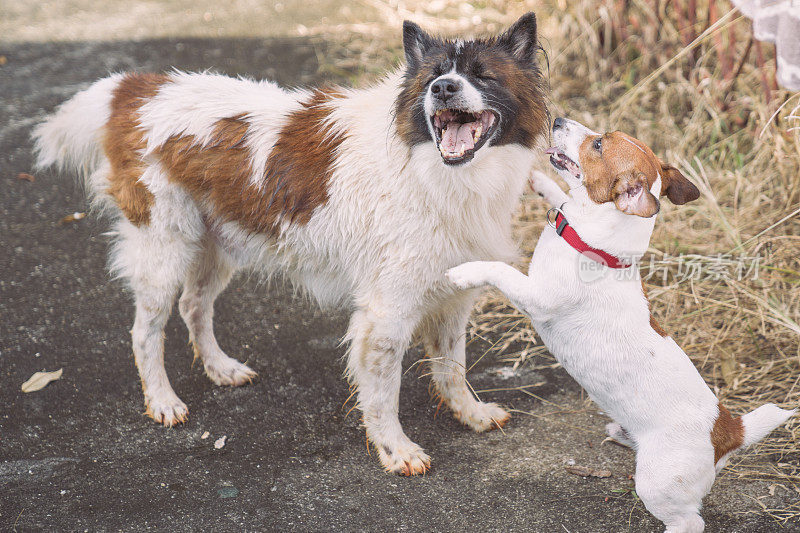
(625, 162)
(656, 326)
(124, 141)
(295, 180)
(528, 89)
(653, 323)
(727, 433)
(410, 121)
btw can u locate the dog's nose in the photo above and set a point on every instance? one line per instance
(445, 88)
(559, 123)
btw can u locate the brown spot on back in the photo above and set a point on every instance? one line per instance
(727, 434)
(124, 141)
(295, 180)
(653, 323)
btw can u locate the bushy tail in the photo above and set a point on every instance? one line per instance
(72, 137)
(760, 422)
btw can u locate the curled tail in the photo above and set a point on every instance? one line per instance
(72, 137)
(760, 422)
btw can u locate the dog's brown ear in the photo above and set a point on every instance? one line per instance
(632, 195)
(676, 186)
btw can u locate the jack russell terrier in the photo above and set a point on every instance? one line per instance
(586, 300)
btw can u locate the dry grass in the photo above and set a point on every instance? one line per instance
(703, 97)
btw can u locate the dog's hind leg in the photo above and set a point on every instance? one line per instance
(444, 336)
(378, 340)
(672, 478)
(207, 278)
(154, 261)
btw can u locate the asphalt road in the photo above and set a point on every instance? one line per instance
(79, 455)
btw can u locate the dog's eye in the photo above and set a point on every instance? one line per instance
(598, 144)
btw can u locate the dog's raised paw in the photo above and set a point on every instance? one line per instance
(537, 182)
(229, 371)
(467, 275)
(408, 460)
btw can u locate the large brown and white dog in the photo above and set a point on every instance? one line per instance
(362, 197)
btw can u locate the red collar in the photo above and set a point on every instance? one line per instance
(568, 233)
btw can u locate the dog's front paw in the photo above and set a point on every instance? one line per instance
(545, 187)
(406, 460)
(482, 416)
(166, 408)
(539, 183)
(229, 371)
(467, 275)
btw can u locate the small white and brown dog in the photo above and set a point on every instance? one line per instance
(586, 300)
(360, 197)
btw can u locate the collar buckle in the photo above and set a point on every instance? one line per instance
(552, 223)
(555, 223)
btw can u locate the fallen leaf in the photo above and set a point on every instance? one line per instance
(39, 380)
(3, 60)
(72, 218)
(205, 435)
(26, 177)
(586, 471)
(220, 442)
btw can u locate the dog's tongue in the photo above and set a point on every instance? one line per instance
(455, 134)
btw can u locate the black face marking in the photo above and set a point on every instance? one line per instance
(502, 69)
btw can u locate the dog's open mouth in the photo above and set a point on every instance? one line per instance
(561, 162)
(459, 134)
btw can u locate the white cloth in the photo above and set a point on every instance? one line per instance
(778, 21)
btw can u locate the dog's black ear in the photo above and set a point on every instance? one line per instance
(415, 43)
(520, 39)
